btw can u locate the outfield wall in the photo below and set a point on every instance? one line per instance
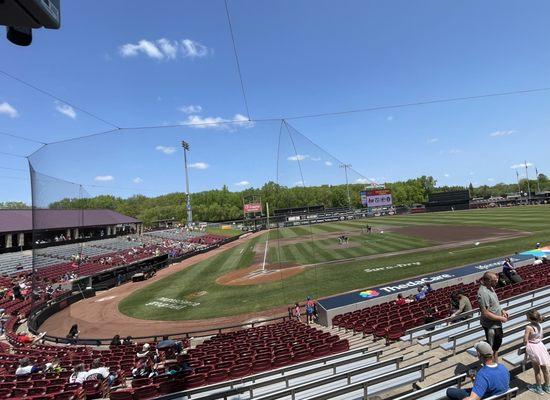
(329, 307)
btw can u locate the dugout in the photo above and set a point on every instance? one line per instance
(448, 201)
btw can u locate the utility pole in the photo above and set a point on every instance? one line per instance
(538, 181)
(346, 166)
(517, 178)
(528, 184)
(185, 146)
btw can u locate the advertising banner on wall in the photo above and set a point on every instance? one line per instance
(376, 198)
(253, 208)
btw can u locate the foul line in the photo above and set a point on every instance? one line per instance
(265, 252)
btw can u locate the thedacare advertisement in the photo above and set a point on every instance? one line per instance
(376, 198)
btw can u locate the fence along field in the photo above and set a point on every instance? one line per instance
(326, 277)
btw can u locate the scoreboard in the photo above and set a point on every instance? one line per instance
(376, 198)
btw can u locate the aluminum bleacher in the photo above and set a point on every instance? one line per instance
(514, 305)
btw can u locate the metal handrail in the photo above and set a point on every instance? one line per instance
(469, 313)
(364, 384)
(244, 381)
(505, 396)
(515, 329)
(187, 335)
(458, 380)
(476, 318)
(323, 381)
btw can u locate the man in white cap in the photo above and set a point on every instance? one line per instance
(490, 380)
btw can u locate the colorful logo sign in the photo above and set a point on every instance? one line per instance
(368, 294)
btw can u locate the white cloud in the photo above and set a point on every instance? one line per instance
(455, 151)
(241, 120)
(315, 158)
(447, 175)
(7, 109)
(242, 183)
(193, 49)
(104, 178)
(523, 165)
(328, 163)
(199, 165)
(191, 109)
(168, 48)
(66, 110)
(137, 179)
(143, 46)
(490, 179)
(501, 133)
(298, 157)
(362, 180)
(433, 140)
(299, 183)
(389, 118)
(472, 173)
(166, 149)
(165, 49)
(198, 122)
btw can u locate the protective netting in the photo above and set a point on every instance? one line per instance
(140, 173)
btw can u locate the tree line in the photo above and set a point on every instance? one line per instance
(224, 205)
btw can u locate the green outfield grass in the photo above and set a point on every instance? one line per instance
(331, 278)
(223, 232)
(321, 250)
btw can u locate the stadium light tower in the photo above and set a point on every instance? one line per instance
(346, 166)
(528, 184)
(185, 146)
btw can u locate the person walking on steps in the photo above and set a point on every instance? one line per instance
(537, 353)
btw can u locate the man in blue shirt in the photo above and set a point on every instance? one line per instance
(491, 379)
(421, 295)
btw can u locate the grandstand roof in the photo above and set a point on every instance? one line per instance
(22, 220)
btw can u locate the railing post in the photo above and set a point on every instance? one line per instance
(454, 345)
(365, 391)
(348, 375)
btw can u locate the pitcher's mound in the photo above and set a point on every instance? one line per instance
(255, 274)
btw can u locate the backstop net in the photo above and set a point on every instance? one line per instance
(265, 181)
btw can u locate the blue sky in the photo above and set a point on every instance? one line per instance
(172, 63)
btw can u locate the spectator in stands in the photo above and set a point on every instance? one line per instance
(29, 338)
(99, 372)
(460, 304)
(128, 341)
(147, 352)
(537, 261)
(401, 301)
(510, 272)
(421, 295)
(430, 317)
(116, 341)
(310, 310)
(492, 379)
(144, 368)
(73, 334)
(26, 368)
(537, 353)
(53, 366)
(492, 314)
(297, 312)
(79, 374)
